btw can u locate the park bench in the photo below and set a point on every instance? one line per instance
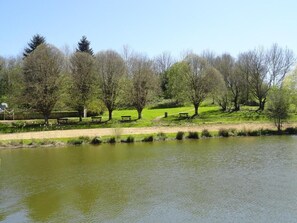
(183, 114)
(62, 120)
(126, 118)
(96, 119)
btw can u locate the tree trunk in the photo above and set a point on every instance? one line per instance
(279, 125)
(196, 109)
(139, 111)
(46, 119)
(109, 114)
(261, 104)
(236, 104)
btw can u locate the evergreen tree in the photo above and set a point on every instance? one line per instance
(35, 42)
(84, 46)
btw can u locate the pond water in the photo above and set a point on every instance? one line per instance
(208, 180)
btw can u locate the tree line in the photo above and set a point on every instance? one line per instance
(44, 78)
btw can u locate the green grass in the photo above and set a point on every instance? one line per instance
(151, 117)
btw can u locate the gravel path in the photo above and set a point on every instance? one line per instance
(127, 131)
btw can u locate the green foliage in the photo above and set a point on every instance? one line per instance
(223, 132)
(111, 140)
(96, 141)
(148, 139)
(205, 133)
(161, 136)
(179, 135)
(75, 141)
(291, 130)
(130, 139)
(82, 81)
(177, 86)
(42, 70)
(193, 135)
(84, 46)
(278, 106)
(35, 42)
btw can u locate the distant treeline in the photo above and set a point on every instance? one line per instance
(46, 79)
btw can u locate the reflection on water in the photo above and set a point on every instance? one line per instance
(211, 180)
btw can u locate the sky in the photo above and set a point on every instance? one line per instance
(150, 26)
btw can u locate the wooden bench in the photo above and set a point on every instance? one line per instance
(183, 114)
(126, 118)
(62, 120)
(96, 119)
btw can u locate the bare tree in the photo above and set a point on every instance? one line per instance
(226, 65)
(41, 79)
(266, 68)
(161, 64)
(82, 65)
(110, 67)
(144, 82)
(201, 79)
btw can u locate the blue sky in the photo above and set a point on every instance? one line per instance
(151, 26)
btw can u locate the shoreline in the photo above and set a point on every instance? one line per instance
(144, 134)
(72, 133)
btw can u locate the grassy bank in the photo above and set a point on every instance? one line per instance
(180, 136)
(151, 117)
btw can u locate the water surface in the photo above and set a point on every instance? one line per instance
(209, 180)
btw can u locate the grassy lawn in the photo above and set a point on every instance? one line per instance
(151, 117)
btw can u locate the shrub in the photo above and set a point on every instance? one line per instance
(205, 133)
(148, 139)
(162, 136)
(223, 133)
(75, 141)
(130, 139)
(232, 132)
(193, 135)
(291, 130)
(268, 132)
(96, 141)
(85, 139)
(111, 140)
(254, 133)
(180, 135)
(242, 132)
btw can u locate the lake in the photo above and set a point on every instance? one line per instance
(252, 179)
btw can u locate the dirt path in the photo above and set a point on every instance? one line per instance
(127, 131)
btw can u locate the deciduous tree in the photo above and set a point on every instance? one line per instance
(110, 68)
(82, 79)
(265, 69)
(41, 73)
(278, 106)
(143, 82)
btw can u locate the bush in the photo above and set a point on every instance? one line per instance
(75, 141)
(148, 139)
(112, 140)
(161, 136)
(232, 132)
(205, 133)
(242, 132)
(180, 135)
(291, 131)
(85, 139)
(193, 135)
(254, 133)
(130, 139)
(223, 133)
(96, 141)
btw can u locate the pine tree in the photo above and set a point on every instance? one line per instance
(35, 42)
(84, 46)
